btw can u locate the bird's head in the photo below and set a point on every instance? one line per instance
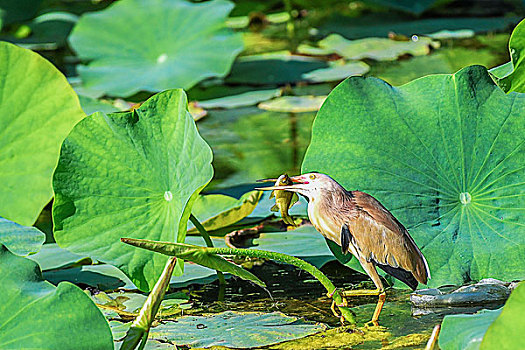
(311, 185)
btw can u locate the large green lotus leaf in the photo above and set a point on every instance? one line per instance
(154, 45)
(21, 240)
(133, 174)
(38, 108)
(379, 49)
(506, 332)
(512, 74)
(445, 154)
(215, 211)
(234, 329)
(36, 315)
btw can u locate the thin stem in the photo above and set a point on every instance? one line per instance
(290, 25)
(208, 241)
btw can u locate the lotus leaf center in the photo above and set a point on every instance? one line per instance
(168, 196)
(464, 198)
(162, 58)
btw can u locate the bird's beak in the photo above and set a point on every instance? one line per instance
(297, 180)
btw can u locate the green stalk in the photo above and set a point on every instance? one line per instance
(198, 254)
(139, 329)
(208, 241)
(290, 26)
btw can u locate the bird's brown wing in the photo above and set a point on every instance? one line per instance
(380, 237)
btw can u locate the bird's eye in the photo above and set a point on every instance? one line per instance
(312, 176)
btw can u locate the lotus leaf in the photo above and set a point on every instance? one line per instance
(216, 211)
(51, 257)
(506, 332)
(36, 315)
(293, 104)
(244, 99)
(445, 154)
(234, 329)
(20, 240)
(379, 49)
(337, 72)
(154, 45)
(512, 74)
(132, 174)
(465, 332)
(37, 100)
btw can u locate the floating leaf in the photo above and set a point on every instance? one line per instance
(512, 74)
(506, 332)
(337, 72)
(216, 211)
(195, 254)
(445, 154)
(20, 240)
(249, 98)
(34, 314)
(37, 101)
(293, 104)
(452, 34)
(140, 182)
(188, 51)
(379, 49)
(235, 329)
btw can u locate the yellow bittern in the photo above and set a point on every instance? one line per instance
(361, 225)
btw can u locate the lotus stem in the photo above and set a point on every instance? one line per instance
(208, 241)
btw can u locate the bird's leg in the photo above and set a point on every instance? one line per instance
(379, 307)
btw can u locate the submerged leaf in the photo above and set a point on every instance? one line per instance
(445, 154)
(36, 315)
(38, 108)
(141, 181)
(188, 50)
(196, 254)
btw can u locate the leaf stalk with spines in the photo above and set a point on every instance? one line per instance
(174, 249)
